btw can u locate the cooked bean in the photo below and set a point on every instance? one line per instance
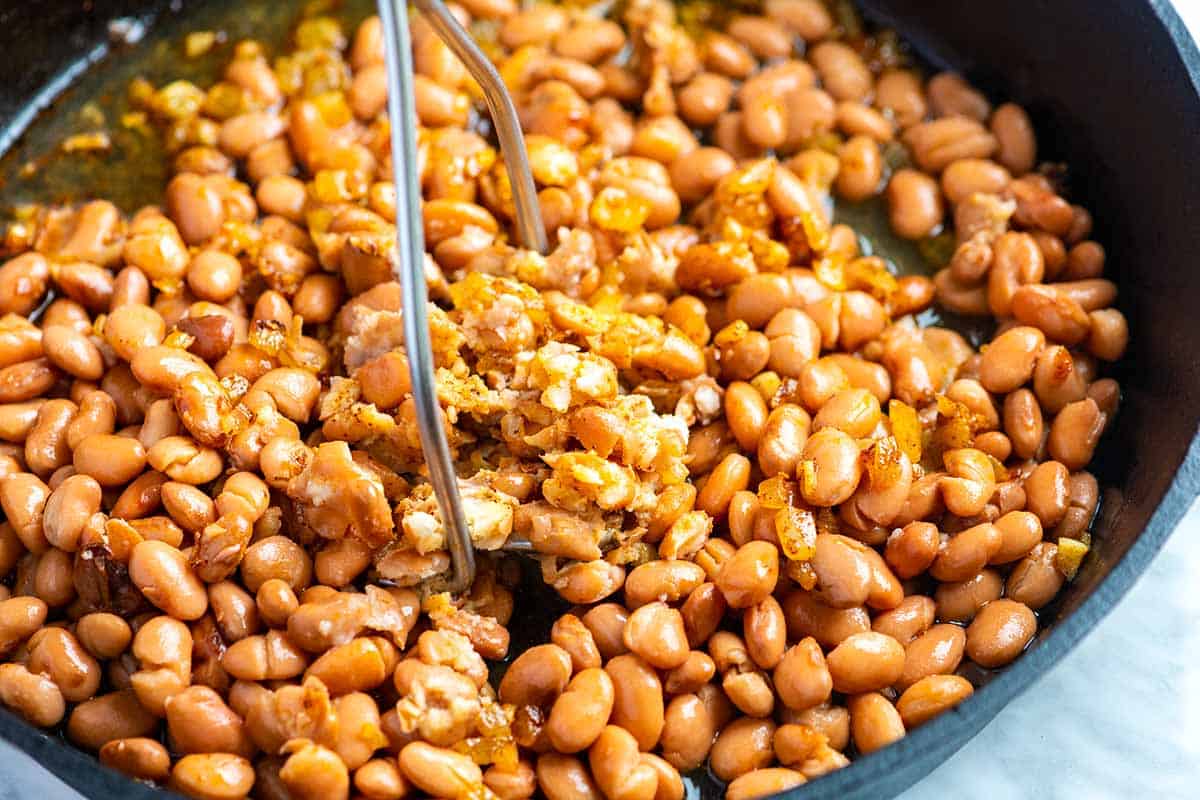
(705, 98)
(765, 631)
(441, 773)
(1075, 432)
(26, 379)
(763, 782)
(668, 581)
(105, 718)
(938, 143)
(565, 778)
(809, 18)
(794, 341)
(729, 476)
(746, 413)
(655, 632)
(1016, 147)
(742, 746)
(950, 94)
(999, 632)
(313, 771)
(276, 557)
(137, 757)
(1019, 532)
(807, 616)
(937, 651)
(581, 711)
(750, 575)
(24, 497)
(966, 553)
(914, 204)
(23, 283)
(969, 176)
(861, 168)
(829, 468)
(1055, 313)
(1059, 379)
(104, 635)
(212, 776)
(908, 620)
(874, 722)
(1035, 580)
(689, 730)
(802, 677)
(959, 602)
(842, 569)
(537, 676)
(198, 721)
(782, 441)
(702, 612)
(264, 657)
(842, 70)
(865, 662)
(637, 699)
(691, 675)
(1047, 491)
(163, 575)
(764, 121)
(380, 779)
(911, 549)
(112, 460)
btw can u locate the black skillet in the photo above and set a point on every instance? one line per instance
(1113, 88)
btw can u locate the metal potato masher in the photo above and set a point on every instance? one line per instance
(410, 240)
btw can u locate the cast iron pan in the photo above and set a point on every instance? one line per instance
(1114, 94)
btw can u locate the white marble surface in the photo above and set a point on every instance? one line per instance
(1118, 718)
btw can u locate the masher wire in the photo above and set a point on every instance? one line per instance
(410, 243)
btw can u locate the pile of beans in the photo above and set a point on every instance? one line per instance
(788, 521)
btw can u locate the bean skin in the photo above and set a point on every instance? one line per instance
(1000, 632)
(931, 696)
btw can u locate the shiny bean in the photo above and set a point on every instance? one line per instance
(874, 722)
(578, 716)
(655, 632)
(1000, 632)
(563, 777)
(212, 776)
(1035, 580)
(829, 468)
(137, 757)
(865, 662)
(163, 575)
(802, 677)
(750, 575)
(966, 553)
(741, 747)
(1047, 491)
(637, 699)
(938, 651)
(1075, 432)
(908, 620)
(35, 697)
(537, 676)
(914, 204)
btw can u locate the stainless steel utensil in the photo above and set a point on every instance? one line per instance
(410, 244)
